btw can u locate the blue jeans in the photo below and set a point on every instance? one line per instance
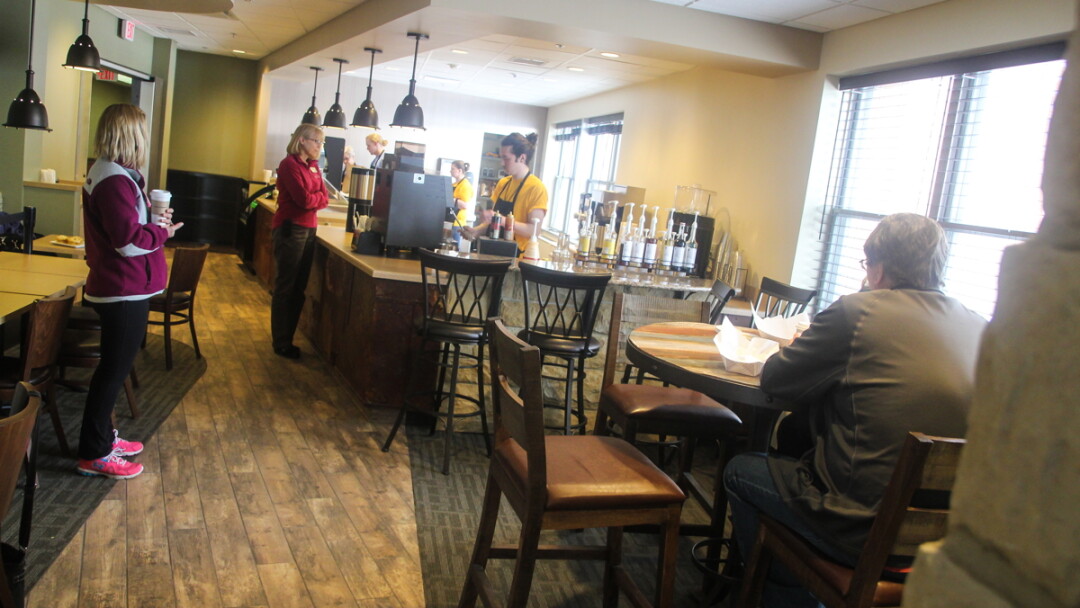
(750, 491)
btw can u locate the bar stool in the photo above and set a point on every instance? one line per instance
(560, 312)
(461, 295)
(670, 412)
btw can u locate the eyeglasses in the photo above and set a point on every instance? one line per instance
(863, 263)
(318, 141)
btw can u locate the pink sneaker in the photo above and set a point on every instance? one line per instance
(123, 447)
(110, 466)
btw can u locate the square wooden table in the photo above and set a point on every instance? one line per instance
(42, 264)
(48, 244)
(14, 304)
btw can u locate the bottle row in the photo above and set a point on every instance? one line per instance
(635, 246)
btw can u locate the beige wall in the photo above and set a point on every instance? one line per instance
(213, 118)
(747, 138)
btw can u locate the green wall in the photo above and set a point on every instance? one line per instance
(213, 118)
(103, 95)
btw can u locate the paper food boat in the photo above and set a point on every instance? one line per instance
(743, 354)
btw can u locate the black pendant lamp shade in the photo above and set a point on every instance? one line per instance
(335, 116)
(365, 115)
(409, 113)
(83, 55)
(311, 117)
(27, 111)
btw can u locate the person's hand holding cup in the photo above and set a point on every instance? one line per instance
(160, 213)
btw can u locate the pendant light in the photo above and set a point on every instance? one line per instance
(83, 55)
(311, 117)
(365, 115)
(409, 113)
(335, 116)
(27, 111)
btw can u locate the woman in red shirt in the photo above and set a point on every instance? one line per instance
(301, 193)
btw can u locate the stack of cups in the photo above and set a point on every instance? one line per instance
(159, 204)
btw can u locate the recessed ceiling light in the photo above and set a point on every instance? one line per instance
(459, 51)
(574, 69)
(239, 52)
(609, 55)
(392, 68)
(441, 79)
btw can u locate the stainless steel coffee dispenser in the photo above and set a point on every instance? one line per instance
(361, 193)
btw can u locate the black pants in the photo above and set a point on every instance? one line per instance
(294, 249)
(123, 325)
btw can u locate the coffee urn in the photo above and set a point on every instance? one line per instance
(361, 193)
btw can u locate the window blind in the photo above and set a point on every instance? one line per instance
(965, 149)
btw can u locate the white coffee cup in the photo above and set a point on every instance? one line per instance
(159, 204)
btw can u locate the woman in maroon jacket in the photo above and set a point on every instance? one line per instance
(301, 193)
(127, 266)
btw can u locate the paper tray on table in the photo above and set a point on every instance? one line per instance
(743, 354)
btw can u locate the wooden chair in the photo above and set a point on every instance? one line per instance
(177, 304)
(776, 298)
(467, 293)
(17, 230)
(15, 448)
(665, 411)
(82, 348)
(37, 361)
(561, 483)
(914, 510)
(560, 312)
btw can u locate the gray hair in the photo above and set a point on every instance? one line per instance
(912, 250)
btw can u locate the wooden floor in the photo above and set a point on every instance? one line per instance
(265, 487)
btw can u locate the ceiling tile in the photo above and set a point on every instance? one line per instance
(772, 11)
(842, 16)
(895, 6)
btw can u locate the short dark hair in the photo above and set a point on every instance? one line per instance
(912, 250)
(521, 144)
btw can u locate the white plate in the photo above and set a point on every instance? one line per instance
(80, 246)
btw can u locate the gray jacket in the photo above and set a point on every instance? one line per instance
(870, 368)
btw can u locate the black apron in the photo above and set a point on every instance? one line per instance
(503, 206)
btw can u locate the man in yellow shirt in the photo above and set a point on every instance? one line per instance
(519, 192)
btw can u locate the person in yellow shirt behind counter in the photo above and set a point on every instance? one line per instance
(519, 192)
(463, 190)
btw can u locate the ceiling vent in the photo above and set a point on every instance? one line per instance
(529, 61)
(175, 31)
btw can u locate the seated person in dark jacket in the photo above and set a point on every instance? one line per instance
(873, 366)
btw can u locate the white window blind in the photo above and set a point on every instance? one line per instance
(964, 148)
(584, 151)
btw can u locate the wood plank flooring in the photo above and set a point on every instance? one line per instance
(264, 488)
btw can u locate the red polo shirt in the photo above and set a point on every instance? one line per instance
(301, 192)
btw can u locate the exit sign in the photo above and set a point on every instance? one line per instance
(126, 29)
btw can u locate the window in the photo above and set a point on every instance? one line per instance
(963, 147)
(583, 152)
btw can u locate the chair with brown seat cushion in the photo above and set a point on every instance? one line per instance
(914, 510)
(177, 304)
(36, 363)
(666, 411)
(15, 433)
(561, 483)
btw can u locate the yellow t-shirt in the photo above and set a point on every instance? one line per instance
(533, 195)
(463, 190)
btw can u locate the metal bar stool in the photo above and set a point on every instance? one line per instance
(560, 312)
(461, 294)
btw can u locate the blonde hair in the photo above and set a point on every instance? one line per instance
(304, 131)
(379, 139)
(121, 136)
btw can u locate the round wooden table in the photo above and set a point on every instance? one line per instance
(685, 355)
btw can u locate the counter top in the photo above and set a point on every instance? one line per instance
(334, 215)
(408, 270)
